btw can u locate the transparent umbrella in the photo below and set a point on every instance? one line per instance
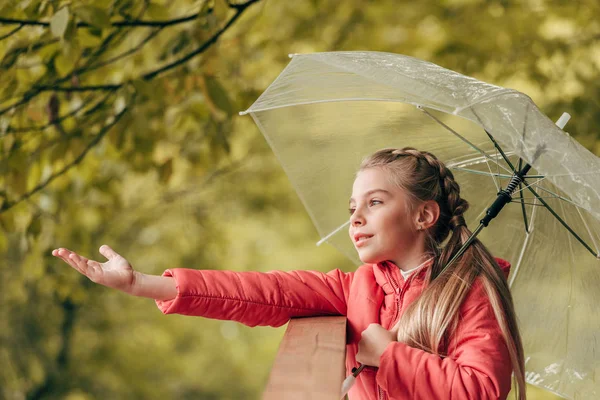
(326, 111)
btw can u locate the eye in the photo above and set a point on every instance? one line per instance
(351, 210)
(375, 202)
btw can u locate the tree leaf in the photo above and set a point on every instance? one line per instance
(35, 226)
(59, 22)
(166, 170)
(88, 38)
(218, 95)
(94, 16)
(64, 64)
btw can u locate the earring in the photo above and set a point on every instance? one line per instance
(419, 227)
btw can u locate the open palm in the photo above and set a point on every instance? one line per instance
(116, 273)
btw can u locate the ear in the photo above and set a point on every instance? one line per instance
(427, 214)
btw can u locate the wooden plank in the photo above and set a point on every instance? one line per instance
(310, 363)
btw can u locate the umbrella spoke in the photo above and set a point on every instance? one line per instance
(336, 230)
(474, 171)
(524, 202)
(524, 246)
(523, 209)
(556, 196)
(458, 135)
(563, 223)
(588, 231)
(498, 187)
(473, 161)
(506, 176)
(531, 184)
(571, 174)
(497, 146)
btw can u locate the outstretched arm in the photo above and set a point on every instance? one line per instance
(258, 298)
(252, 298)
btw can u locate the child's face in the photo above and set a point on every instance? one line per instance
(381, 226)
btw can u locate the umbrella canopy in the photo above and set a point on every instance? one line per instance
(327, 111)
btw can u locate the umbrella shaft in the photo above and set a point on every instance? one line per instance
(504, 196)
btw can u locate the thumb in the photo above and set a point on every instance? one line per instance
(107, 252)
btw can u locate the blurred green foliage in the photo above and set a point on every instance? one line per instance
(116, 130)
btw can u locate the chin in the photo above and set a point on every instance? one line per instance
(369, 258)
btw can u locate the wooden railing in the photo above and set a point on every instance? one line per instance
(310, 363)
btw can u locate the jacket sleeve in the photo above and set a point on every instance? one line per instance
(257, 298)
(478, 365)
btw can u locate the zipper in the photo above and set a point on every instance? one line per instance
(397, 292)
(399, 297)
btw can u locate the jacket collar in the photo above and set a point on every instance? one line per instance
(388, 276)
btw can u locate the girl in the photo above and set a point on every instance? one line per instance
(424, 332)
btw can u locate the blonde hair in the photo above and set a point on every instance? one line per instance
(429, 321)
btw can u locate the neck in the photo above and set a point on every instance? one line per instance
(412, 264)
(413, 258)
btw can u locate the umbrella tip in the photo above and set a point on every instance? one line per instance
(243, 112)
(291, 55)
(562, 121)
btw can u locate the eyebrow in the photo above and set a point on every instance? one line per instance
(370, 192)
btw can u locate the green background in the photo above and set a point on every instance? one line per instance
(119, 126)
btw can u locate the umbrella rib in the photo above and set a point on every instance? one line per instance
(458, 135)
(471, 161)
(499, 187)
(530, 198)
(588, 230)
(572, 254)
(524, 202)
(576, 174)
(563, 223)
(530, 184)
(497, 146)
(523, 209)
(336, 230)
(496, 183)
(523, 247)
(474, 171)
(556, 196)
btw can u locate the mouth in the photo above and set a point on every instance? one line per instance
(361, 240)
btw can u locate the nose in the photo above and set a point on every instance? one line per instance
(357, 218)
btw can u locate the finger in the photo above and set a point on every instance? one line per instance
(80, 262)
(64, 255)
(107, 252)
(56, 252)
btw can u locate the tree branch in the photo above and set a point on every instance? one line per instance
(40, 128)
(8, 205)
(9, 34)
(240, 8)
(83, 70)
(11, 57)
(116, 24)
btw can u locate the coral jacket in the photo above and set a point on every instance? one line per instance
(477, 366)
